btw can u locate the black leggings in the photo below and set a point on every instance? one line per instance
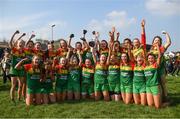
(5, 77)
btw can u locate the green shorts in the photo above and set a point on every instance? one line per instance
(34, 90)
(47, 90)
(101, 87)
(126, 88)
(87, 89)
(61, 88)
(139, 88)
(14, 72)
(73, 86)
(154, 90)
(114, 87)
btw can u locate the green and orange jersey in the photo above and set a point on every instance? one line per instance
(139, 76)
(104, 51)
(161, 68)
(61, 53)
(154, 50)
(29, 53)
(74, 74)
(137, 51)
(61, 74)
(33, 76)
(100, 75)
(39, 53)
(17, 55)
(151, 74)
(113, 73)
(126, 74)
(87, 74)
(52, 54)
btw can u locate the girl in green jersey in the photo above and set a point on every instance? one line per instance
(87, 87)
(34, 77)
(48, 94)
(152, 80)
(74, 75)
(100, 78)
(113, 76)
(126, 78)
(161, 69)
(61, 71)
(139, 82)
(17, 51)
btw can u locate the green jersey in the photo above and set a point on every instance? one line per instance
(87, 74)
(100, 76)
(126, 74)
(74, 74)
(104, 52)
(33, 77)
(151, 74)
(139, 77)
(113, 73)
(61, 75)
(48, 82)
(17, 56)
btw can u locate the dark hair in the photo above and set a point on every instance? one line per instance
(151, 54)
(127, 39)
(117, 42)
(159, 39)
(38, 43)
(30, 42)
(79, 43)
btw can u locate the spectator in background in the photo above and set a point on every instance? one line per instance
(176, 64)
(169, 66)
(5, 65)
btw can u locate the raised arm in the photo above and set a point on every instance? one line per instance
(94, 56)
(108, 58)
(86, 46)
(70, 38)
(32, 36)
(11, 41)
(111, 33)
(130, 53)
(117, 36)
(168, 40)
(70, 49)
(21, 36)
(80, 58)
(97, 43)
(15, 42)
(143, 34)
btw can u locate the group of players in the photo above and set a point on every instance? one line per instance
(95, 70)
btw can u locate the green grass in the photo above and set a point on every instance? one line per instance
(86, 109)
